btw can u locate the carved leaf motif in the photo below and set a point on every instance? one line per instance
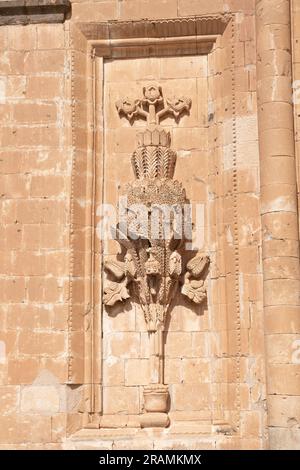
(152, 163)
(143, 291)
(152, 93)
(128, 107)
(167, 291)
(197, 265)
(117, 268)
(144, 161)
(166, 163)
(130, 266)
(177, 105)
(137, 162)
(175, 266)
(195, 291)
(115, 292)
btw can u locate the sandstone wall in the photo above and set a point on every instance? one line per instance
(35, 165)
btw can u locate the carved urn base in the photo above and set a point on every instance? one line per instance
(156, 398)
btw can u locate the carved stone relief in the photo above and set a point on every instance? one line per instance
(153, 268)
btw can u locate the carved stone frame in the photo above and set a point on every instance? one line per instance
(91, 44)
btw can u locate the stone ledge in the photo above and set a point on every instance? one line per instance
(139, 439)
(33, 11)
(165, 28)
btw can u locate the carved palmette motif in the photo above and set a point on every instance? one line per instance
(153, 162)
(152, 269)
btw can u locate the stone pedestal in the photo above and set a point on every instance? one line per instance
(156, 399)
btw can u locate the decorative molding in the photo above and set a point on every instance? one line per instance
(165, 28)
(149, 38)
(33, 11)
(154, 47)
(71, 214)
(134, 45)
(236, 226)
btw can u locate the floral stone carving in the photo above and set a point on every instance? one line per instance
(152, 269)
